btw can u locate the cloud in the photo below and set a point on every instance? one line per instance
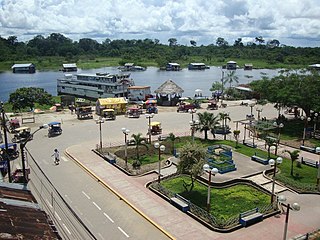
(292, 21)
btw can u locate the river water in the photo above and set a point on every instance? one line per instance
(188, 80)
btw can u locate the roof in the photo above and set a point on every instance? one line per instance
(22, 128)
(174, 64)
(169, 87)
(317, 65)
(128, 64)
(69, 65)
(109, 101)
(231, 62)
(155, 124)
(244, 89)
(21, 216)
(197, 64)
(54, 123)
(22, 65)
(139, 87)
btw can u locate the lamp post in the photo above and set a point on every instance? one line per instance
(279, 127)
(274, 163)
(99, 121)
(22, 146)
(193, 123)
(4, 127)
(251, 105)
(315, 119)
(259, 110)
(125, 132)
(213, 172)
(294, 207)
(149, 116)
(318, 175)
(306, 120)
(161, 149)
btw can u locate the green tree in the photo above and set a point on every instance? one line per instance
(27, 97)
(294, 155)
(269, 142)
(172, 138)
(221, 42)
(172, 42)
(216, 86)
(193, 43)
(207, 122)
(236, 134)
(231, 78)
(138, 141)
(224, 117)
(192, 159)
(259, 39)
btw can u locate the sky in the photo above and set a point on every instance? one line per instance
(292, 22)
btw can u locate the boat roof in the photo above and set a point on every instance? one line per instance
(20, 65)
(69, 65)
(174, 64)
(197, 64)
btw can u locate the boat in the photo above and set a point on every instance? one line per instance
(94, 86)
(131, 67)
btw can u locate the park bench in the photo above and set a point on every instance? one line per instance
(249, 144)
(259, 159)
(309, 162)
(308, 149)
(180, 202)
(250, 217)
(28, 118)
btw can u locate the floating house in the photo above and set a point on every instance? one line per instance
(131, 67)
(117, 104)
(248, 66)
(69, 67)
(173, 67)
(168, 93)
(139, 93)
(197, 66)
(23, 68)
(231, 65)
(314, 66)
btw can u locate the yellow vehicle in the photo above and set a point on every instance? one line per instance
(155, 128)
(109, 114)
(21, 134)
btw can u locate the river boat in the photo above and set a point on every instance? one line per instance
(131, 67)
(94, 86)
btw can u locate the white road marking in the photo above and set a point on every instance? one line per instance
(108, 217)
(123, 232)
(64, 159)
(66, 228)
(68, 198)
(85, 194)
(96, 205)
(78, 210)
(57, 216)
(48, 203)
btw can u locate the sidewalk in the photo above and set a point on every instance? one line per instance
(178, 225)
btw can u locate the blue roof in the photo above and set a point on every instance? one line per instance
(54, 123)
(3, 146)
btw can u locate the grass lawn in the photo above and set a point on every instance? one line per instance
(225, 202)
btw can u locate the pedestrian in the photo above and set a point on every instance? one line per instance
(56, 156)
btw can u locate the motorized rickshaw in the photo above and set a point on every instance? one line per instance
(54, 129)
(84, 112)
(212, 104)
(184, 107)
(13, 124)
(12, 152)
(22, 134)
(109, 114)
(17, 175)
(155, 128)
(151, 109)
(133, 112)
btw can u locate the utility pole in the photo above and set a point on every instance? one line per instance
(4, 127)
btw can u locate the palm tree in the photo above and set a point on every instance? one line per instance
(270, 142)
(294, 155)
(224, 117)
(138, 141)
(192, 159)
(231, 77)
(172, 138)
(207, 121)
(236, 134)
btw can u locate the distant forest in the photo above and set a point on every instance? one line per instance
(147, 50)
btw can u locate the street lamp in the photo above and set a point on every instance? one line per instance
(294, 207)
(213, 172)
(193, 123)
(318, 176)
(4, 127)
(274, 163)
(278, 126)
(251, 105)
(315, 119)
(259, 110)
(22, 146)
(99, 121)
(161, 149)
(125, 132)
(306, 120)
(149, 116)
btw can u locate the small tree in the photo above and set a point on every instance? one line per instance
(138, 141)
(172, 138)
(192, 159)
(236, 134)
(294, 155)
(270, 142)
(207, 121)
(224, 117)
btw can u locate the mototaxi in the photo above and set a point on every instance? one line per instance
(54, 129)
(22, 134)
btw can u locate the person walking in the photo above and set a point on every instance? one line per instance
(56, 156)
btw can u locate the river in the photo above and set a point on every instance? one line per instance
(188, 80)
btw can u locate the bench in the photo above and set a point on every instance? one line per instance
(260, 159)
(309, 162)
(308, 149)
(180, 202)
(249, 144)
(28, 118)
(250, 217)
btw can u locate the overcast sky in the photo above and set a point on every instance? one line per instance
(292, 22)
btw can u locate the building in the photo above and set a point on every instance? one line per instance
(69, 67)
(139, 93)
(173, 67)
(94, 86)
(168, 93)
(248, 66)
(231, 65)
(23, 68)
(117, 104)
(197, 66)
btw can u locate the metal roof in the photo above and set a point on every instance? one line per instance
(22, 65)
(69, 65)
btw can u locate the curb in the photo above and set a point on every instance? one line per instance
(119, 195)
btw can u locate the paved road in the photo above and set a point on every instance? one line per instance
(72, 181)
